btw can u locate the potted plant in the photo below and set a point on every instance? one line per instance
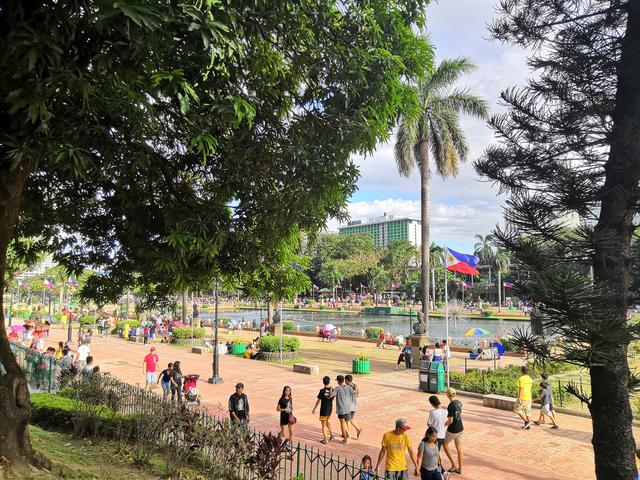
(239, 346)
(361, 364)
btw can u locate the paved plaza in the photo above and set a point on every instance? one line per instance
(495, 446)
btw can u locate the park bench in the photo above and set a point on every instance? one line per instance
(306, 369)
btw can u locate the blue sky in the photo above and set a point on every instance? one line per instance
(466, 205)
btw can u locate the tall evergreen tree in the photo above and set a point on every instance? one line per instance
(435, 128)
(569, 156)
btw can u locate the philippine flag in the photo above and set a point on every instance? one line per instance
(462, 263)
(48, 284)
(507, 284)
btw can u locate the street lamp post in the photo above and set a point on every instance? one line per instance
(410, 317)
(215, 378)
(70, 329)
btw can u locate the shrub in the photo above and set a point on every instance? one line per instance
(59, 317)
(288, 326)
(270, 343)
(487, 313)
(324, 307)
(310, 302)
(87, 320)
(239, 341)
(486, 305)
(222, 321)
(362, 357)
(373, 333)
(367, 303)
(183, 333)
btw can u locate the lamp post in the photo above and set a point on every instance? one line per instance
(70, 329)
(410, 317)
(215, 378)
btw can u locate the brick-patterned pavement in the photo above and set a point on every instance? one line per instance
(495, 446)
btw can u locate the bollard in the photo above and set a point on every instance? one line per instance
(298, 328)
(362, 334)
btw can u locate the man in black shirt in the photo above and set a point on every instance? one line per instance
(325, 401)
(239, 406)
(454, 430)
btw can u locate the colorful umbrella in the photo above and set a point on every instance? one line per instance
(18, 328)
(474, 332)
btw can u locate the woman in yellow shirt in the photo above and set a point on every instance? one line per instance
(59, 353)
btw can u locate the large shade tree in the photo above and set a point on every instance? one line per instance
(435, 128)
(163, 141)
(569, 160)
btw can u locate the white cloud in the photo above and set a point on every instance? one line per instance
(448, 222)
(458, 28)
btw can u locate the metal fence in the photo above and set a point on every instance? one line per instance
(302, 461)
(43, 372)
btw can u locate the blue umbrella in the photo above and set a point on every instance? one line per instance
(474, 332)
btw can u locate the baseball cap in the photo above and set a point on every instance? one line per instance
(451, 391)
(239, 385)
(402, 423)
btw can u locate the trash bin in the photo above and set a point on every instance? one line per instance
(436, 377)
(423, 375)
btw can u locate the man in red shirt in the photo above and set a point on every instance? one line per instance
(150, 366)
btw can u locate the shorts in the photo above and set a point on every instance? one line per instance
(353, 415)
(439, 442)
(324, 418)
(151, 378)
(345, 416)
(396, 475)
(546, 409)
(523, 407)
(449, 436)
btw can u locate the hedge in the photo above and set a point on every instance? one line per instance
(53, 411)
(488, 313)
(87, 320)
(183, 333)
(270, 343)
(324, 307)
(373, 333)
(288, 326)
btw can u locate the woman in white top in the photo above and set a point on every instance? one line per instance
(437, 353)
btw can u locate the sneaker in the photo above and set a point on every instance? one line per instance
(332, 436)
(536, 422)
(323, 441)
(555, 427)
(527, 426)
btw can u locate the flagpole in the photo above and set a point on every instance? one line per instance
(446, 309)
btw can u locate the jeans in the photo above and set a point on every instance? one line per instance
(430, 474)
(166, 388)
(177, 391)
(407, 360)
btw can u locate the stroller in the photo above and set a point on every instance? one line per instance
(190, 389)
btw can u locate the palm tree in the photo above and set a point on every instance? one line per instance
(436, 128)
(502, 261)
(484, 250)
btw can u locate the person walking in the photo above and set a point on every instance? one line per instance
(150, 366)
(546, 408)
(454, 430)
(523, 402)
(429, 456)
(239, 406)
(345, 404)
(348, 380)
(381, 338)
(176, 382)
(287, 419)
(165, 381)
(325, 402)
(446, 355)
(437, 419)
(407, 350)
(394, 445)
(82, 354)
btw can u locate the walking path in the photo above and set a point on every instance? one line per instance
(495, 446)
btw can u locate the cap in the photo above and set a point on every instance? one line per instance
(340, 378)
(239, 385)
(153, 349)
(451, 391)
(402, 423)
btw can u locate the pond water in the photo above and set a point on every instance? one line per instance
(352, 323)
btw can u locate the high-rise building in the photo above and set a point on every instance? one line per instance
(38, 268)
(386, 229)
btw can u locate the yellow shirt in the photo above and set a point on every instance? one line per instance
(395, 446)
(525, 382)
(58, 353)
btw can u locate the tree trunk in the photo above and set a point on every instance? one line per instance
(424, 218)
(15, 407)
(613, 442)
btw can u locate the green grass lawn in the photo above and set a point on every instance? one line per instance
(73, 458)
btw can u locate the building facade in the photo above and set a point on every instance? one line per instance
(386, 229)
